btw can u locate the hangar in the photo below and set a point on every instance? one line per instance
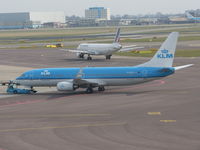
(21, 20)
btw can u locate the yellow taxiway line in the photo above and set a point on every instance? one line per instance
(54, 115)
(67, 126)
(167, 121)
(154, 113)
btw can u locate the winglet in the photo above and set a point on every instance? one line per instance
(181, 67)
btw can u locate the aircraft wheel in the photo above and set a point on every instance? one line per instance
(81, 55)
(33, 91)
(89, 58)
(101, 88)
(89, 90)
(15, 91)
(108, 56)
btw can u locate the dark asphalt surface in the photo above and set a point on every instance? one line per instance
(159, 115)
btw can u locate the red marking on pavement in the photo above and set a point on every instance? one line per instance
(21, 103)
(158, 83)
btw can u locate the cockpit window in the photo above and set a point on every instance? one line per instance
(23, 75)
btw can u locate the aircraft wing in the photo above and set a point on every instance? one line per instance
(73, 50)
(77, 51)
(81, 82)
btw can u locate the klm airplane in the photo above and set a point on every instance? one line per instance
(70, 79)
(189, 16)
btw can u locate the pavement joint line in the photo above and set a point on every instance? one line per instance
(167, 121)
(154, 113)
(61, 115)
(68, 126)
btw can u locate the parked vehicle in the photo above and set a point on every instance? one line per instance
(13, 90)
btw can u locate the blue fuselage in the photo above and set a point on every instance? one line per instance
(105, 75)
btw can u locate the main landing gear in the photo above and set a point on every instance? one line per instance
(89, 57)
(101, 88)
(108, 56)
(81, 55)
(90, 90)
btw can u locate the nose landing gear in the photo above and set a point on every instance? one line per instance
(81, 55)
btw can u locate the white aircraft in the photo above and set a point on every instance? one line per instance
(70, 79)
(101, 49)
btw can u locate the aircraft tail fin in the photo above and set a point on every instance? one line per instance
(117, 37)
(189, 15)
(165, 55)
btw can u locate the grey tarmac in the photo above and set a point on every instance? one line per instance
(159, 115)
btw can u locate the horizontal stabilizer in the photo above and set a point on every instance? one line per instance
(69, 50)
(130, 49)
(181, 67)
(129, 46)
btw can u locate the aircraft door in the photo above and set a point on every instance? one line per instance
(31, 75)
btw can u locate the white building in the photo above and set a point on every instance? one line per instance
(29, 19)
(98, 13)
(45, 17)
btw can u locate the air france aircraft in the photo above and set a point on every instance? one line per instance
(101, 49)
(189, 16)
(70, 79)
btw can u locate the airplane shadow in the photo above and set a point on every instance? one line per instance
(58, 95)
(129, 93)
(55, 95)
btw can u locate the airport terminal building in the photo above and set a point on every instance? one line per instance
(22, 20)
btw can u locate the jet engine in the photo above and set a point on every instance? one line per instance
(80, 55)
(65, 86)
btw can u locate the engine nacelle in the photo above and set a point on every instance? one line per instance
(65, 86)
